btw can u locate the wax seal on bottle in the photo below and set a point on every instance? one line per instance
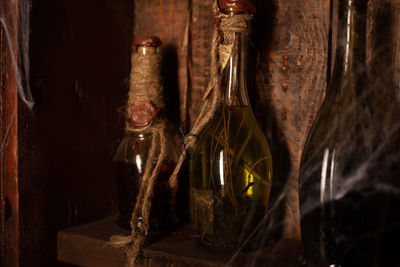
(244, 6)
(142, 114)
(153, 41)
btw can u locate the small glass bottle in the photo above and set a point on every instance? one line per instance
(231, 166)
(349, 171)
(132, 153)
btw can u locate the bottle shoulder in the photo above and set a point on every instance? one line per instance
(351, 129)
(233, 127)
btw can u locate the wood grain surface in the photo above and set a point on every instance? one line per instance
(200, 58)
(383, 44)
(291, 81)
(395, 25)
(80, 64)
(9, 212)
(89, 245)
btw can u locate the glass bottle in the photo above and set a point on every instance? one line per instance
(230, 166)
(133, 151)
(348, 214)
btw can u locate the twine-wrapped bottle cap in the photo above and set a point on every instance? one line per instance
(239, 6)
(145, 95)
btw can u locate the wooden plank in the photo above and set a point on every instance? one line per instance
(168, 20)
(2, 204)
(180, 247)
(80, 62)
(383, 44)
(292, 38)
(200, 58)
(9, 232)
(88, 245)
(396, 44)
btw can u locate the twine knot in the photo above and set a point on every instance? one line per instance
(236, 23)
(189, 141)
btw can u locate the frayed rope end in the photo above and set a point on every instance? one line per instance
(119, 241)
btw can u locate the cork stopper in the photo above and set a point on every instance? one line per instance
(237, 6)
(150, 41)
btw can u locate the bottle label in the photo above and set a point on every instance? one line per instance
(203, 208)
(142, 113)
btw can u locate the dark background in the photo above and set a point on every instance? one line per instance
(80, 61)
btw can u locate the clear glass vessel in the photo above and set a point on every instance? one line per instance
(230, 166)
(132, 154)
(135, 147)
(348, 213)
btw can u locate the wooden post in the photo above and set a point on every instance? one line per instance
(9, 212)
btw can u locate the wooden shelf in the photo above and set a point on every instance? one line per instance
(88, 245)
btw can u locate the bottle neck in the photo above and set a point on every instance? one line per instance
(234, 77)
(147, 50)
(145, 94)
(351, 38)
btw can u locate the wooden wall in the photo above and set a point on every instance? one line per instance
(80, 57)
(9, 193)
(80, 61)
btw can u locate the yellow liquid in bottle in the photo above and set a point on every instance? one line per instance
(231, 175)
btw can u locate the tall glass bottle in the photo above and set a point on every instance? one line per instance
(231, 166)
(348, 212)
(134, 148)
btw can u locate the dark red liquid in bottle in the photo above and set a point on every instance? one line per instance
(162, 213)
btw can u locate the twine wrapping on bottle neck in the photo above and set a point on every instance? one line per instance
(145, 86)
(220, 54)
